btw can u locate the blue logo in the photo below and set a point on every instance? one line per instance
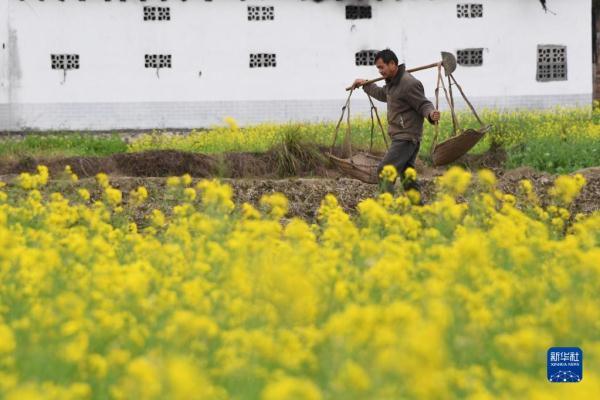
(565, 364)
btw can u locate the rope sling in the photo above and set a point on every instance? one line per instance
(362, 165)
(458, 144)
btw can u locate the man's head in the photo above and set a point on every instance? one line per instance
(387, 63)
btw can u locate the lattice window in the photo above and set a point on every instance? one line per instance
(469, 57)
(552, 63)
(261, 13)
(164, 13)
(469, 10)
(365, 57)
(65, 61)
(462, 10)
(157, 13)
(259, 60)
(476, 10)
(358, 12)
(158, 60)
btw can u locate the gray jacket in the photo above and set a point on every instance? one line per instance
(407, 105)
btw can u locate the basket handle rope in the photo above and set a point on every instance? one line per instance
(372, 126)
(337, 127)
(374, 110)
(450, 104)
(437, 104)
(440, 80)
(347, 142)
(455, 124)
(347, 145)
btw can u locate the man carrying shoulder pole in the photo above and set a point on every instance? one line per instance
(407, 107)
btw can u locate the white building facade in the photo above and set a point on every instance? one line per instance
(135, 64)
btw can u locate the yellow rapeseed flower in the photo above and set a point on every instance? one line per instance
(216, 196)
(186, 179)
(249, 212)
(410, 174)
(567, 188)
(158, 218)
(231, 123)
(71, 175)
(388, 173)
(113, 196)
(173, 181)
(291, 388)
(189, 194)
(43, 174)
(414, 196)
(7, 340)
(486, 178)
(276, 204)
(84, 194)
(455, 181)
(204, 294)
(26, 181)
(139, 195)
(102, 179)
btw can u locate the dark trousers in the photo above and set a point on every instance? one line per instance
(402, 154)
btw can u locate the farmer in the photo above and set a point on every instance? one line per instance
(407, 106)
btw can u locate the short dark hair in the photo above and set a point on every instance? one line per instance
(386, 55)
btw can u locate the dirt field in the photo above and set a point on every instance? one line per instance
(251, 175)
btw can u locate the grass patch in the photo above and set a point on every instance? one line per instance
(559, 140)
(61, 145)
(295, 153)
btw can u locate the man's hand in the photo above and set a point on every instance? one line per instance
(358, 83)
(434, 116)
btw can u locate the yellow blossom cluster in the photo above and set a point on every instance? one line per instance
(453, 299)
(566, 188)
(388, 173)
(34, 181)
(139, 195)
(70, 174)
(410, 174)
(455, 181)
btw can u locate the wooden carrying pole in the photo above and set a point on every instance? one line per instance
(448, 62)
(408, 70)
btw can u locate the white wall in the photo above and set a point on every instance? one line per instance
(4, 90)
(315, 48)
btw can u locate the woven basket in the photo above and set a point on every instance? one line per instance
(362, 166)
(452, 149)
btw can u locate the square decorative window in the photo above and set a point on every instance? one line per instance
(358, 12)
(365, 57)
(158, 60)
(259, 60)
(149, 13)
(157, 13)
(476, 10)
(552, 63)
(469, 10)
(462, 10)
(469, 57)
(164, 13)
(65, 61)
(261, 13)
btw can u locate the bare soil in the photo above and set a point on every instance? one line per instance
(304, 181)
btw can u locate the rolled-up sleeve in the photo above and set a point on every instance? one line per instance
(375, 91)
(415, 96)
